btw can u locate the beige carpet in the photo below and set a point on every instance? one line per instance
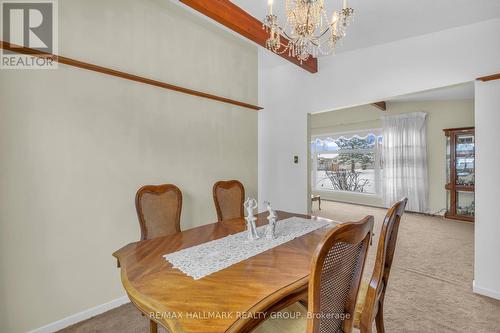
(430, 288)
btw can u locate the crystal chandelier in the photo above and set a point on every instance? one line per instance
(310, 31)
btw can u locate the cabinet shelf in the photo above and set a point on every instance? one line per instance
(465, 188)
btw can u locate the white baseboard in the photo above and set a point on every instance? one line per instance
(485, 291)
(78, 317)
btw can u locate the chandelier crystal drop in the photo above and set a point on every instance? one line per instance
(307, 28)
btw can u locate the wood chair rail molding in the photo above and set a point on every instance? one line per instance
(108, 71)
(489, 77)
(233, 17)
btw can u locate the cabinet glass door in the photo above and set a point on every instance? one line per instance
(464, 159)
(465, 203)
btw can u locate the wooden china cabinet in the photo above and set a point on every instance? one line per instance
(460, 173)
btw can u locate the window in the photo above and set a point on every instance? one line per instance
(349, 163)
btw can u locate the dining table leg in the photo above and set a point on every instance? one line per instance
(153, 326)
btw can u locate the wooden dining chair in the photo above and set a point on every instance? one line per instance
(370, 305)
(335, 277)
(336, 271)
(228, 198)
(159, 210)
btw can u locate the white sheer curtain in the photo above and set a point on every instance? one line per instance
(404, 155)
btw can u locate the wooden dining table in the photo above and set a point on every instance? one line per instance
(235, 299)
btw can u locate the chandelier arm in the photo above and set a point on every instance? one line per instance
(285, 34)
(318, 45)
(278, 52)
(282, 45)
(324, 32)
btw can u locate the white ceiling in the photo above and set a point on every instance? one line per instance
(456, 92)
(382, 21)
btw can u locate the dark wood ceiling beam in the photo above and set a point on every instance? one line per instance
(233, 17)
(380, 105)
(489, 77)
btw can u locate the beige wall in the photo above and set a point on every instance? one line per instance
(440, 115)
(75, 146)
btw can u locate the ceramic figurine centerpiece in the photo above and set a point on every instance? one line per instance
(271, 227)
(250, 205)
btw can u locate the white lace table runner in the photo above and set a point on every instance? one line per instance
(207, 258)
